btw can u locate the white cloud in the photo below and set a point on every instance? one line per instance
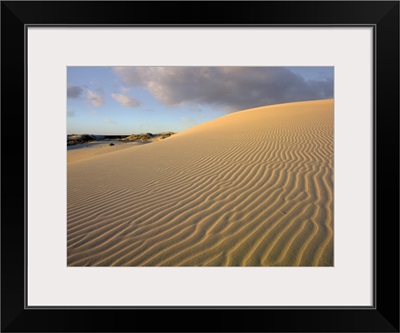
(96, 99)
(127, 101)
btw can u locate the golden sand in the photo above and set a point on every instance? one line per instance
(252, 188)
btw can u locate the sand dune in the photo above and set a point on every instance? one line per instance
(252, 188)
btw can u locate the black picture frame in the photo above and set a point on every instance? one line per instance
(383, 316)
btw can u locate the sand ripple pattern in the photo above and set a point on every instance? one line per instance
(253, 188)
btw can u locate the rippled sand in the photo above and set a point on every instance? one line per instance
(252, 188)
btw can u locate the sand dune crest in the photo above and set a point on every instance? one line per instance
(252, 188)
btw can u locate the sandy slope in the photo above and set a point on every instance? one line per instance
(251, 188)
(92, 149)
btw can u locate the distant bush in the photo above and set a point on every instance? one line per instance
(146, 137)
(74, 139)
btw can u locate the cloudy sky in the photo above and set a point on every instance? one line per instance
(126, 100)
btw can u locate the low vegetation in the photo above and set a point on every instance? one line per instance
(75, 139)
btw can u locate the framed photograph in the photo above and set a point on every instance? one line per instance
(200, 166)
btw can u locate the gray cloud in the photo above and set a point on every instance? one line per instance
(323, 88)
(70, 114)
(74, 91)
(233, 88)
